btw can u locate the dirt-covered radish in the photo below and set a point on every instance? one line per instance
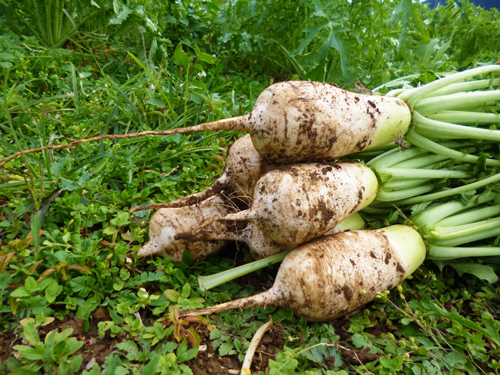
(258, 243)
(297, 203)
(244, 166)
(306, 121)
(167, 222)
(336, 274)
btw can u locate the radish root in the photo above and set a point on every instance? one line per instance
(247, 362)
(236, 123)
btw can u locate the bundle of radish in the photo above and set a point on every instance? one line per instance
(293, 204)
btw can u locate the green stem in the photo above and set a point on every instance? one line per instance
(403, 184)
(432, 128)
(209, 282)
(446, 253)
(395, 157)
(418, 140)
(421, 161)
(466, 86)
(482, 233)
(392, 157)
(456, 101)
(448, 233)
(466, 117)
(414, 95)
(470, 216)
(387, 174)
(434, 215)
(397, 196)
(447, 193)
(431, 216)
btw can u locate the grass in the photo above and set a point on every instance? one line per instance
(75, 298)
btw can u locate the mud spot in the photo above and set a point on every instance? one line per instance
(290, 169)
(360, 194)
(362, 144)
(400, 268)
(388, 257)
(326, 213)
(358, 356)
(325, 170)
(315, 176)
(347, 292)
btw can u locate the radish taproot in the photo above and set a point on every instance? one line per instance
(293, 204)
(333, 275)
(258, 243)
(167, 222)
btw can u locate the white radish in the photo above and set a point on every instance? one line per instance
(258, 243)
(305, 121)
(297, 203)
(167, 222)
(334, 275)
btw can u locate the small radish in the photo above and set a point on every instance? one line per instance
(334, 275)
(167, 222)
(297, 203)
